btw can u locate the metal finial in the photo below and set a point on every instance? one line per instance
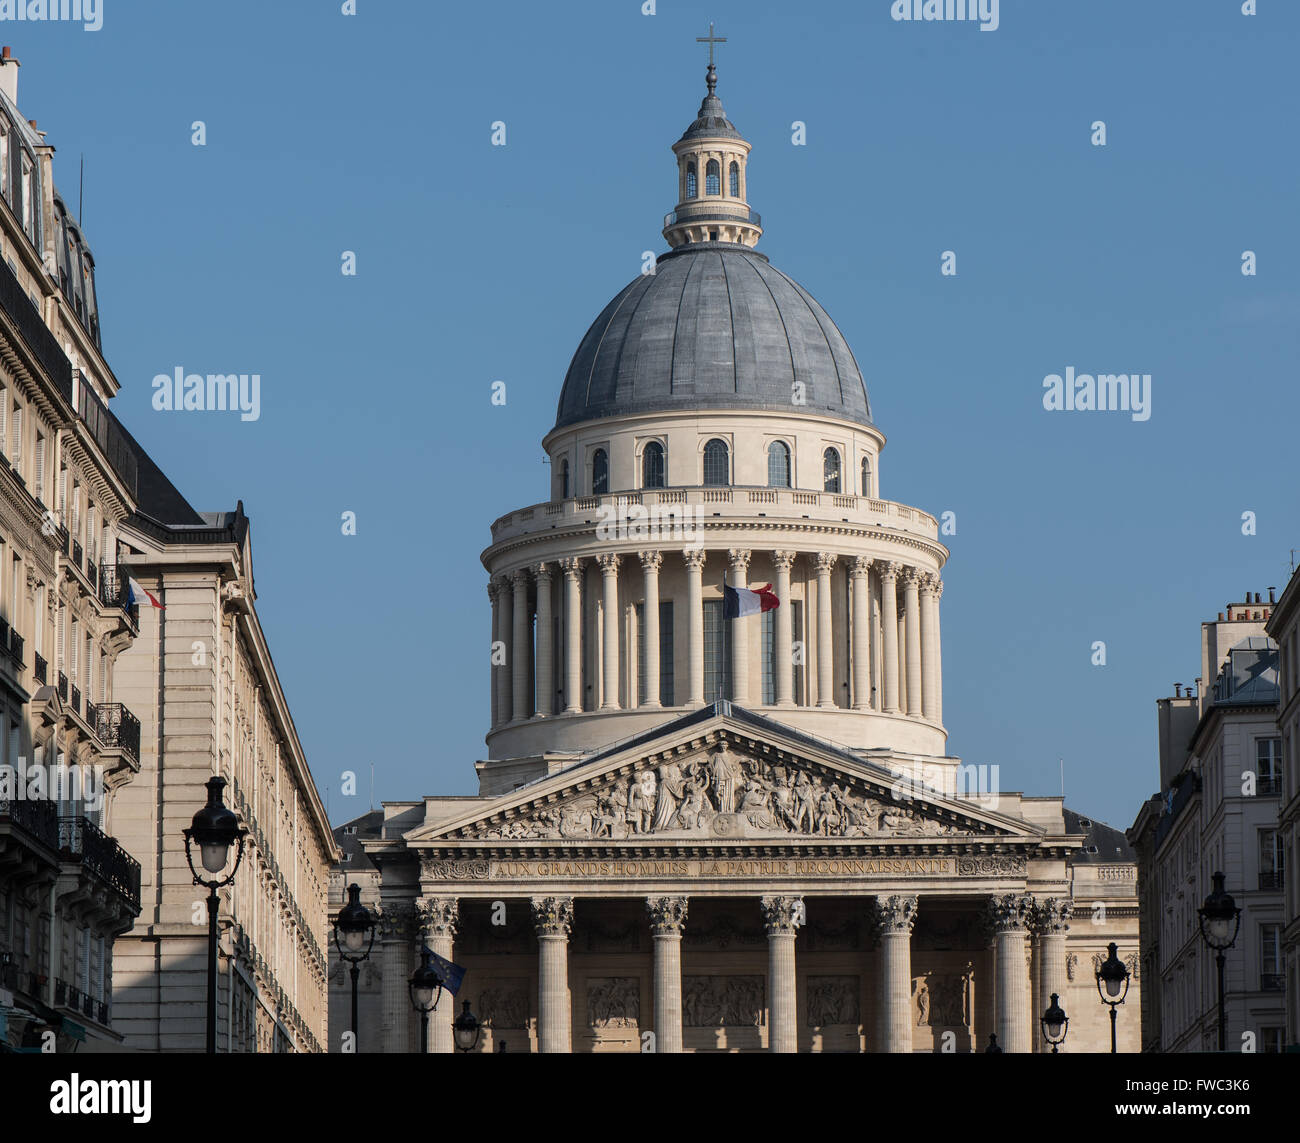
(711, 39)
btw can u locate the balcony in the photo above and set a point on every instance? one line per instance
(101, 856)
(41, 343)
(113, 592)
(76, 698)
(116, 727)
(67, 996)
(63, 686)
(41, 670)
(1272, 982)
(16, 645)
(38, 818)
(1271, 881)
(78, 555)
(705, 210)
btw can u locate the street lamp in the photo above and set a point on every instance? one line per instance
(354, 928)
(1055, 1024)
(465, 1029)
(214, 830)
(426, 990)
(1112, 986)
(1220, 922)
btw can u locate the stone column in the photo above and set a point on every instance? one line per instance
(1009, 915)
(694, 559)
(894, 918)
(650, 562)
(936, 592)
(1050, 923)
(911, 588)
(783, 657)
(667, 917)
(437, 919)
(553, 919)
(823, 562)
(395, 958)
(494, 593)
(519, 654)
(739, 558)
(609, 569)
(572, 568)
(929, 648)
(782, 917)
(505, 636)
(889, 631)
(545, 652)
(859, 574)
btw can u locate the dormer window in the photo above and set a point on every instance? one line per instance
(713, 178)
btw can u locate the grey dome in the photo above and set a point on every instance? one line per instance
(715, 327)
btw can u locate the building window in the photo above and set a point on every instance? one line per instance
(831, 469)
(4, 158)
(797, 649)
(652, 465)
(713, 178)
(735, 180)
(1271, 860)
(599, 472)
(1270, 958)
(564, 479)
(866, 476)
(1268, 770)
(717, 464)
(29, 200)
(778, 465)
(665, 654)
(1272, 1039)
(767, 639)
(692, 187)
(717, 652)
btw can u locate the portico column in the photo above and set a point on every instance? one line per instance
(739, 558)
(520, 652)
(936, 594)
(859, 574)
(494, 593)
(545, 653)
(930, 647)
(572, 568)
(694, 559)
(505, 637)
(783, 665)
(889, 631)
(782, 917)
(1009, 915)
(911, 587)
(437, 918)
(667, 917)
(895, 917)
(650, 562)
(823, 562)
(553, 919)
(395, 958)
(609, 569)
(1050, 922)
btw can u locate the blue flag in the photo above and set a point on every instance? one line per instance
(451, 975)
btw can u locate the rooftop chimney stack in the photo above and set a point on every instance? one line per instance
(9, 75)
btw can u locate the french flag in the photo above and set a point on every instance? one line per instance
(740, 601)
(137, 594)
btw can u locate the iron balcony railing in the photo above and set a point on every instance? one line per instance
(92, 573)
(41, 669)
(63, 687)
(114, 592)
(1271, 880)
(76, 698)
(16, 645)
(1272, 982)
(101, 856)
(92, 713)
(38, 817)
(116, 726)
(78, 554)
(705, 211)
(42, 343)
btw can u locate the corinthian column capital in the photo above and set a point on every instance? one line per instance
(572, 567)
(553, 916)
(1010, 912)
(437, 916)
(784, 561)
(739, 558)
(609, 562)
(895, 914)
(1051, 915)
(542, 571)
(494, 591)
(824, 561)
(650, 561)
(667, 915)
(911, 577)
(888, 569)
(782, 914)
(861, 567)
(520, 577)
(693, 558)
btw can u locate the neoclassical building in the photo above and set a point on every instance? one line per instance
(696, 832)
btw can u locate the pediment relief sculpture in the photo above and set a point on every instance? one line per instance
(720, 793)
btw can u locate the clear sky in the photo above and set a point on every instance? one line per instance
(372, 133)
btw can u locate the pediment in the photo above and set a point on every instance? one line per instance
(722, 782)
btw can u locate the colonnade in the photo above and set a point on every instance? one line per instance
(893, 641)
(1024, 933)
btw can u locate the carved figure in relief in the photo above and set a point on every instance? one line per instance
(671, 791)
(693, 805)
(724, 773)
(922, 990)
(803, 803)
(639, 807)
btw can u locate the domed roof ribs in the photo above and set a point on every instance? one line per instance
(600, 343)
(677, 324)
(617, 395)
(731, 325)
(813, 307)
(794, 373)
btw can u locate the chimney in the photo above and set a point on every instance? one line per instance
(9, 75)
(1220, 616)
(1178, 690)
(1256, 593)
(1271, 590)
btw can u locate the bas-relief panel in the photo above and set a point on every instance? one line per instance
(505, 1003)
(613, 1002)
(832, 1000)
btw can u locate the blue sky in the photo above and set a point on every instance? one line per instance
(371, 133)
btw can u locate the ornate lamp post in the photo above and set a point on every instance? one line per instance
(1220, 922)
(426, 990)
(1055, 1024)
(1112, 986)
(465, 1029)
(214, 830)
(354, 928)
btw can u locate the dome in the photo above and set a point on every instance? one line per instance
(715, 327)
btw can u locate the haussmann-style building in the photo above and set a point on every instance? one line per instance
(696, 833)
